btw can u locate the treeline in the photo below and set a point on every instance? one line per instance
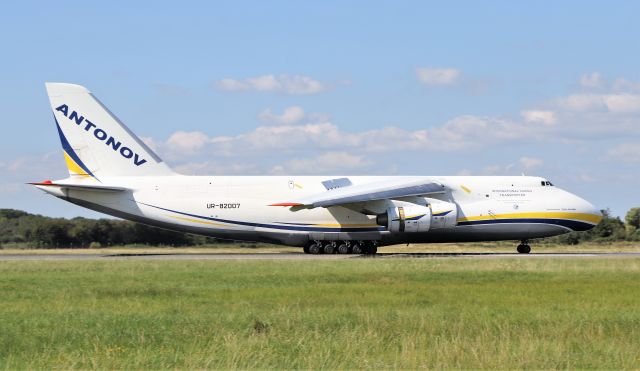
(18, 228)
(610, 229)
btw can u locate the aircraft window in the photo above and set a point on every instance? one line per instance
(549, 183)
(543, 184)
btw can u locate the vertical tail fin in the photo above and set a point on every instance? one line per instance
(95, 143)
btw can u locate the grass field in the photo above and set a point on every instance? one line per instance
(356, 313)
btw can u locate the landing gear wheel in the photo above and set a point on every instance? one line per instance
(315, 249)
(357, 249)
(524, 249)
(330, 248)
(370, 248)
(343, 248)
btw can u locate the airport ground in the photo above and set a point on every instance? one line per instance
(257, 248)
(443, 311)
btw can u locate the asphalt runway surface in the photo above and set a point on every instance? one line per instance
(302, 256)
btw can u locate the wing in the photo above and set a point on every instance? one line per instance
(385, 190)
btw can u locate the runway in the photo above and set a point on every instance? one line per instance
(302, 256)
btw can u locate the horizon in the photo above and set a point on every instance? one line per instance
(545, 89)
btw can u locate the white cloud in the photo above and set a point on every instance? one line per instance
(187, 142)
(231, 85)
(30, 166)
(614, 103)
(437, 76)
(461, 133)
(285, 84)
(594, 81)
(326, 163)
(530, 162)
(522, 166)
(625, 85)
(622, 103)
(290, 115)
(300, 140)
(581, 102)
(280, 142)
(470, 131)
(543, 117)
(591, 80)
(625, 152)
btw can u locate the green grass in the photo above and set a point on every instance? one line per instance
(358, 313)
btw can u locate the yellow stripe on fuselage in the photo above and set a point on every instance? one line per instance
(591, 218)
(199, 221)
(314, 225)
(346, 225)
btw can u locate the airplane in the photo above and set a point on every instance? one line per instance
(114, 172)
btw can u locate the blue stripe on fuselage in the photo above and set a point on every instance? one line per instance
(571, 224)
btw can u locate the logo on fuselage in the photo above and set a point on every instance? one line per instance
(101, 135)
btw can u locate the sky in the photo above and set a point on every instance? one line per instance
(544, 88)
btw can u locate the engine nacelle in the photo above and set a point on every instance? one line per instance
(409, 219)
(412, 219)
(443, 214)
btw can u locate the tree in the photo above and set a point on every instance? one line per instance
(633, 218)
(29, 230)
(610, 228)
(633, 223)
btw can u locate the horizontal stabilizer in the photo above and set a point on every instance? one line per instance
(78, 187)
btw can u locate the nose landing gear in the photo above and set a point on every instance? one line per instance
(524, 247)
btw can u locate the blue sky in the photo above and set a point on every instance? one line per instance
(434, 88)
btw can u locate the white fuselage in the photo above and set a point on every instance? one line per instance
(241, 208)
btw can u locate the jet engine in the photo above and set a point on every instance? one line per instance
(406, 219)
(416, 218)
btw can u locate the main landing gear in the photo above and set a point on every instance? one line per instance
(342, 247)
(524, 247)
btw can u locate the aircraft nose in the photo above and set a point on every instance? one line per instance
(587, 210)
(594, 212)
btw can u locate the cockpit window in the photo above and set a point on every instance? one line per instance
(546, 183)
(543, 183)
